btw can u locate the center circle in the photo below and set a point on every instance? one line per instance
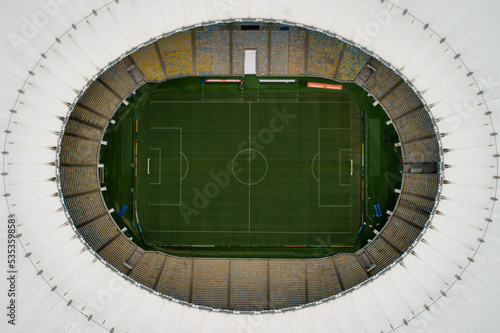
(249, 167)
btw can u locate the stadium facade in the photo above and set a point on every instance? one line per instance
(54, 49)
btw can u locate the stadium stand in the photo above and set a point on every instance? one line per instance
(83, 129)
(203, 51)
(78, 151)
(296, 51)
(220, 51)
(324, 54)
(422, 184)
(210, 282)
(176, 278)
(353, 61)
(146, 59)
(400, 233)
(413, 125)
(84, 207)
(351, 271)
(116, 252)
(401, 100)
(250, 39)
(426, 150)
(382, 80)
(419, 218)
(176, 52)
(78, 179)
(118, 79)
(322, 280)
(148, 268)
(167, 276)
(91, 117)
(419, 203)
(100, 99)
(279, 52)
(248, 284)
(287, 283)
(381, 253)
(98, 232)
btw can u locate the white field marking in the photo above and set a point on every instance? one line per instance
(166, 128)
(366, 161)
(340, 167)
(187, 166)
(254, 232)
(223, 100)
(276, 100)
(319, 170)
(352, 166)
(180, 165)
(296, 99)
(167, 205)
(148, 166)
(240, 153)
(159, 167)
(352, 189)
(297, 86)
(180, 172)
(319, 167)
(241, 102)
(250, 163)
(312, 167)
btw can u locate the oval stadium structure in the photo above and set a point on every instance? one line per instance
(67, 66)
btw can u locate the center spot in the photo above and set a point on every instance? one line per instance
(249, 167)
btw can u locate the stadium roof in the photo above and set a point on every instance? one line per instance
(449, 49)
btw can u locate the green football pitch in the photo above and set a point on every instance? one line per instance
(249, 171)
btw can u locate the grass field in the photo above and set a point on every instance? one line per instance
(269, 166)
(249, 173)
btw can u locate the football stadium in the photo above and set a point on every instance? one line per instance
(239, 166)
